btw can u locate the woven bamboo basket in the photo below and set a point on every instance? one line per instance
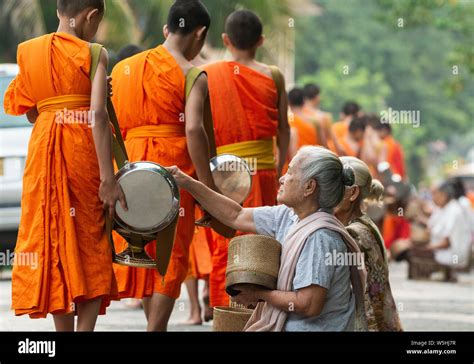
(253, 261)
(230, 319)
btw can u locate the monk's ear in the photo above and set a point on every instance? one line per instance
(260, 42)
(166, 31)
(201, 33)
(91, 14)
(226, 40)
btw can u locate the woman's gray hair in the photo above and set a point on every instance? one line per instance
(327, 169)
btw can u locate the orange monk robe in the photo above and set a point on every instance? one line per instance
(244, 108)
(305, 131)
(394, 228)
(62, 223)
(311, 116)
(470, 196)
(149, 95)
(200, 260)
(395, 155)
(323, 123)
(340, 129)
(347, 147)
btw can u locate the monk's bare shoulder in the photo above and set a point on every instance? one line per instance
(104, 56)
(182, 62)
(201, 84)
(264, 68)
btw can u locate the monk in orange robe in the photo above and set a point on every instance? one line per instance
(340, 129)
(69, 176)
(393, 150)
(352, 143)
(248, 113)
(394, 227)
(303, 132)
(158, 126)
(311, 111)
(395, 155)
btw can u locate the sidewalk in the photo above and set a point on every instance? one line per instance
(423, 306)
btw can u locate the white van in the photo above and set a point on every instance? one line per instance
(15, 133)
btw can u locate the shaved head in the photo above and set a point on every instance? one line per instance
(244, 29)
(74, 7)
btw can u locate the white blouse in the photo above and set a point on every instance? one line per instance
(452, 222)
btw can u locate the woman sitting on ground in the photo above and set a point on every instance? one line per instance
(450, 232)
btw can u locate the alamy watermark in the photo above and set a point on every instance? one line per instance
(337, 258)
(408, 117)
(28, 346)
(250, 165)
(9, 258)
(66, 116)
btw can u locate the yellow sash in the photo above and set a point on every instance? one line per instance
(261, 150)
(59, 103)
(157, 131)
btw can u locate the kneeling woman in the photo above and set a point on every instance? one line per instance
(313, 292)
(380, 306)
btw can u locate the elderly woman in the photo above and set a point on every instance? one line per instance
(380, 306)
(313, 293)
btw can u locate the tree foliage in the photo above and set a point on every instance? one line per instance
(402, 67)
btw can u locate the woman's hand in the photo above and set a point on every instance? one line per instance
(179, 176)
(248, 297)
(109, 193)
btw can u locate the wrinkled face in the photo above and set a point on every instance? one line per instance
(291, 191)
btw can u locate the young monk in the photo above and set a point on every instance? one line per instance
(158, 126)
(351, 144)
(394, 151)
(340, 129)
(249, 112)
(302, 131)
(69, 176)
(323, 120)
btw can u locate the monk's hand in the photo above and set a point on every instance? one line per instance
(109, 86)
(109, 193)
(179, 176)
(247, 297)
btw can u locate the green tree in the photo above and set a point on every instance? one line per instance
(411, 65)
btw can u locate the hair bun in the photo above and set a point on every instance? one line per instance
(348, 177)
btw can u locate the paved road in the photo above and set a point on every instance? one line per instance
(423, 305)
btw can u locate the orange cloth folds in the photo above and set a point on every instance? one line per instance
(62, 220)
(244, 108)
(305, 131)
(149, 99)
(395, 155)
